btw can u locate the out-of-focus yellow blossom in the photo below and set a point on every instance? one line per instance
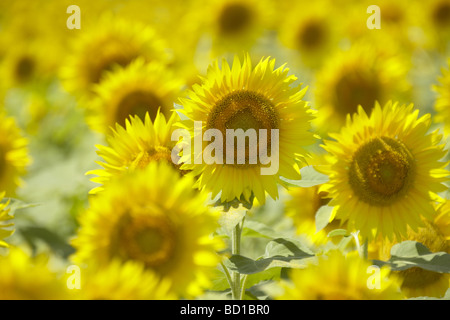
(384, 169)
(155, 217)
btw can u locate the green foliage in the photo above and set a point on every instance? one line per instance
(408, 254)
(310, 178)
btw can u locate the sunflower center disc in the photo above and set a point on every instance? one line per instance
(381, 171)
(441, 14)
(113, 53)
(415, 277)
(244, 110)
(312, 35)
(353, 89)
(147, 239)
(24, 69)
(138, 103)
(234, 18)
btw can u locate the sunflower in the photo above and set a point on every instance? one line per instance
(310, 30)
(155, 217)
(339, 277)
(384, 169)
(434, 17)
(135, 146)
(122, 281)
(360, 75)
(23, 277)
(23, 65)
(13, 155)
(136, 89)
(4, 221)
(113, 41)
(442, 103)
(236, 24)
(435, 235)
(245, 98)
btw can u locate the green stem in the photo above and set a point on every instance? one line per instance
(244, 282)
(227, 275)
(236, 249)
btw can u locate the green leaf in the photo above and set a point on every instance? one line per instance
(53, 240)
(287, 248)
(323, 216)
(280, 253)
(408, 254)
(310, 178)
(337, 233)
(258, 230)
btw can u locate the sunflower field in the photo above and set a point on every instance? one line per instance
(197, 150)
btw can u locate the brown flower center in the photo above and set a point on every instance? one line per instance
(382, 171)
(244, 110)
(441, 14)
(234, 18)
(355, 88)
(24, 69)
(150, 239)
(312, 35)
(138, 103)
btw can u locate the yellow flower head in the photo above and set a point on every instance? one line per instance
(310, 30)
(13, 155)
(122, 281)
(4, 221)
(435, 235)
(155, 217)
(236, 24)
(442, 104)
(244, 97)
(25, 278)
(434, 18)
(340, 277)
(358, 76)
(384, 168)
(137, 89)
(135, 146)
(112, 42)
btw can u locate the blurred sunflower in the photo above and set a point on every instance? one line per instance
(112, 42)
(5, 223)
(442, 104)
(236, 24)
(243, 97)
(137, 89)
(153, 216)
(384, 169)
(310, 30)
(24, 65)
(434, 17)
(358, 76)
(29, 278)
(14, 156)
(435, 235)
(338, 277)
(135, 146)
(122, 281)
(398, 22)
